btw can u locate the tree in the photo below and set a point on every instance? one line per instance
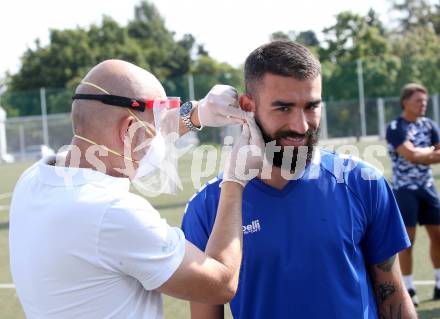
(413, 13)
(280, 35)
(145, 41)
(416, 41)
(435, 18)
(419, 50)
(163, 55)
(352, 38)
(373, 20)
(308, 38)
(208, 72)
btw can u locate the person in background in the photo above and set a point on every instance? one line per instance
(414, 144)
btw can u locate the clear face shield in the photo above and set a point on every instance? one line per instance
(157, 168)
(157, 171)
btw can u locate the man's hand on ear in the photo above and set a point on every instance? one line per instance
(246, 155)
(220, 107)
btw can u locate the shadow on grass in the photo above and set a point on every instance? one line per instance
(169, 206)
(429, 314)
(4, 226)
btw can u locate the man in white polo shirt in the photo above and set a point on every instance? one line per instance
(83, 246)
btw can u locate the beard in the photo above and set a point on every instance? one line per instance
(302, 154)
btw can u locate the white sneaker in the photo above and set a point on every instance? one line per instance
(414, 298)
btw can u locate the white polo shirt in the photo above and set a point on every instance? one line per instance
(88, 248)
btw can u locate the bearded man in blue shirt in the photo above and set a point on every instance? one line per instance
(320, 230)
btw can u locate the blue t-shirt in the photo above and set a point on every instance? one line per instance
(421, 133)
(305, 247)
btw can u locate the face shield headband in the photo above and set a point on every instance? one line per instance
(122, 101)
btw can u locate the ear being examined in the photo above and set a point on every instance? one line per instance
(247, 103)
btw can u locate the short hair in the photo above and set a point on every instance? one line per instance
(409, 89)
(280, 57)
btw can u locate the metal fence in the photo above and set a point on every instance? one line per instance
(343, 118)
(25, 135)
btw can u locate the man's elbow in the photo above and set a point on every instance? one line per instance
(227, 288)
(230, 292)
(224, 295)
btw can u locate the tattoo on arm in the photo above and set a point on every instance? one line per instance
(384, 291)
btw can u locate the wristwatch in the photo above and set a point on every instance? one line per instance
(186, 110)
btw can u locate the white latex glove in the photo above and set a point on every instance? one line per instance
(246, 158)
(220, 107)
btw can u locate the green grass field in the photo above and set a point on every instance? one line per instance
(171, 208)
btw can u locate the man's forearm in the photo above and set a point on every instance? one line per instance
(226, 240)
(393, 301)
(424, 157)
(419, 155)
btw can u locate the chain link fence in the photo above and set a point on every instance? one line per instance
(26, 135)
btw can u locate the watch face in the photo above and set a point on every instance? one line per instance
(185, 108)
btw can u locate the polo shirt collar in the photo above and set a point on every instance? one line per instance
(59, 176)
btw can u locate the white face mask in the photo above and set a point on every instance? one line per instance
(152, 160)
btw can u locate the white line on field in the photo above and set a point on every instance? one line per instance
(5, 195)
(416, 282)
(6, 207)
(7, 286)
(424, 282)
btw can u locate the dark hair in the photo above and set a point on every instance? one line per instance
(280, 57)
(409, 89)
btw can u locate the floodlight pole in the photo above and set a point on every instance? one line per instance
(435, 107)
(323, 124)
(44, 116)
(3, 147)
(381, 117)
(361, 97)
(191, 87)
